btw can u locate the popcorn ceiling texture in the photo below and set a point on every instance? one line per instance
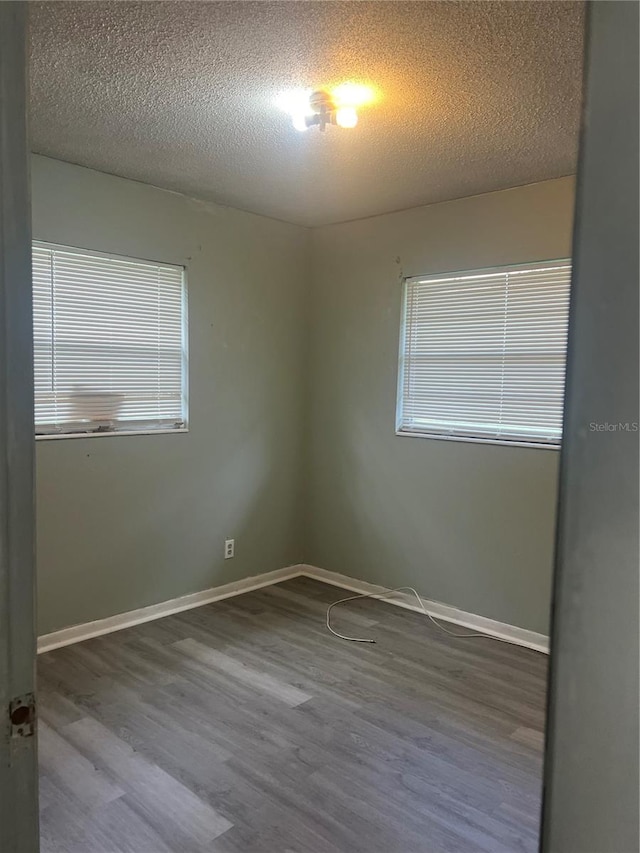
(475, 97)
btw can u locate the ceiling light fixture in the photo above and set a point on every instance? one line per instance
(318, 108)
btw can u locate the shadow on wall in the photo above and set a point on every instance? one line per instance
(421, 512)
(120, 560)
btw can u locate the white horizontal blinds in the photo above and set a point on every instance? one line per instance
(536, 352)
(484, 354)
(109, 342)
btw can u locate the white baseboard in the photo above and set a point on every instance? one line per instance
(77, 633)
(518, 636)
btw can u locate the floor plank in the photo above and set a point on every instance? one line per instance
(245, 726)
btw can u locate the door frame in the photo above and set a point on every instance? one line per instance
(19, 831)
(591, 759)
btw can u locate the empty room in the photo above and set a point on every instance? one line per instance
(301, 288)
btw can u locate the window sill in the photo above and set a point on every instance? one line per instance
(63, 435)
(504, 442)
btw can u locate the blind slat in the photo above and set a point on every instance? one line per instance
(110, 349)
(483, 353)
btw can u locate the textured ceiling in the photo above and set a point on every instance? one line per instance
(474, 97)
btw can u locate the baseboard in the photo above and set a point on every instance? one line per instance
(77, 633)
(518, 636)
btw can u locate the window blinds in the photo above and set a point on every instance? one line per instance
(109, 342)
(483, 354)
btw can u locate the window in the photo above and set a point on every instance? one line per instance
(110, 346)
(482, 354)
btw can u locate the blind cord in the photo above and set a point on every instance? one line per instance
(420, 602)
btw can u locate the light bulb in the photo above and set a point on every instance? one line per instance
(346, 117)
(353, 95)
(299, 121)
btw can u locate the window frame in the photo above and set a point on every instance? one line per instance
(58, 435)
(467, 439)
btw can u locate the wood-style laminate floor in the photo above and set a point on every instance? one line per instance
(244, 726)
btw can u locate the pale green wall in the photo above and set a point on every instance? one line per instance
(128, 521)
(471, 525)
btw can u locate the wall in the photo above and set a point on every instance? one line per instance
(127, 521)
(122, 521)
(471, 525)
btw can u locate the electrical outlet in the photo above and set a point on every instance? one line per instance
(229, 548)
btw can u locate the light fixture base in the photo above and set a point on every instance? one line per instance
(324, 109)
